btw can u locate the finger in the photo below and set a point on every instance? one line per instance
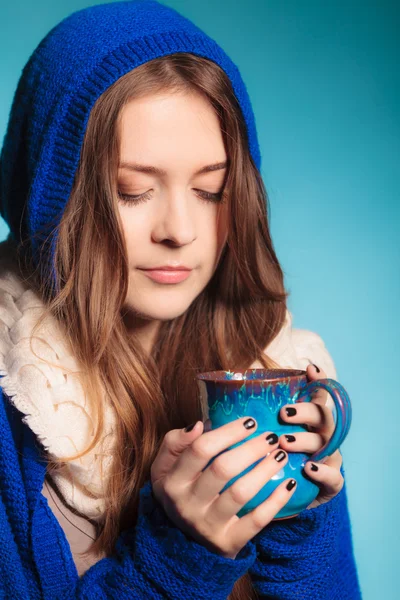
(314, 372)
(328, 478)
(334, 460)
(246, 487)
(253, 522)
(301, 442)
(172, 446)
(207, 446)
(230, 464)
(311, 414)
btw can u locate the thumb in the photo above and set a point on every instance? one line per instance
(173, 444)
(320, 396)
(185, 437)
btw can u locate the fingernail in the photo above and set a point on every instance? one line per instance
(249, 423)
(190, 427)
(280, 456)
(291, 484)
(207, 425)
(318, 370)
(272, 438)
(290, 438)
(291, 411)
(314, 467)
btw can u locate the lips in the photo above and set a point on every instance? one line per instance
(168, 268)
(167, 275)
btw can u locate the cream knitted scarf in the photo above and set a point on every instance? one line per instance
(54, 403)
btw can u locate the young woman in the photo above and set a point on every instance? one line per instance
(139, 255)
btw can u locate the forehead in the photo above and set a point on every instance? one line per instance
(159, 125)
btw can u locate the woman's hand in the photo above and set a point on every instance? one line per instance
(321, 425)
(191, 494)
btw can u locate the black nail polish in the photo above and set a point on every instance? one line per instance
(280, 456)
(318, 370)
(272, 438)
(249, 423)
(207, 425)
(314, 467)
(290, 438)
(290, 411)
(291, 484)
(190, 427)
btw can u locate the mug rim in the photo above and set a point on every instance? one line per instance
(291, 373)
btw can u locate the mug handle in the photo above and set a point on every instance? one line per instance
(343, 414)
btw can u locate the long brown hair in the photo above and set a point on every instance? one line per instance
(228, 326)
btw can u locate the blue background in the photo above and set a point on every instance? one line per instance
(323, 77)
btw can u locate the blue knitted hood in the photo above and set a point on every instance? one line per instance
(71, 67)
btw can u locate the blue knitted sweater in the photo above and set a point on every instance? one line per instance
(309, 556)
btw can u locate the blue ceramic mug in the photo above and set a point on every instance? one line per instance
(260, 393)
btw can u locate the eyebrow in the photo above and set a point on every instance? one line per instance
(132, 166)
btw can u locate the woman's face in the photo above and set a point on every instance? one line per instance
(178, 218)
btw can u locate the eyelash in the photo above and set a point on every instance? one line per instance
(206, 196)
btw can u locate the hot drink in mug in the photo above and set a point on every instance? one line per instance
(260, 393)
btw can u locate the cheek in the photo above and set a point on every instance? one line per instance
(217, 236)
(135, 225)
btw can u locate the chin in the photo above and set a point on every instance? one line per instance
(163, 310)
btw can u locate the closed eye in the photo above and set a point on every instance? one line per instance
(213, 197)
(217, 197)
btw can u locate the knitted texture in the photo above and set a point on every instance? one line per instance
(317, 547)
(51, 399)
(309, 556)
(153, 560)
(72, 66)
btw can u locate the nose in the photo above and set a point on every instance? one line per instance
(176, 223)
